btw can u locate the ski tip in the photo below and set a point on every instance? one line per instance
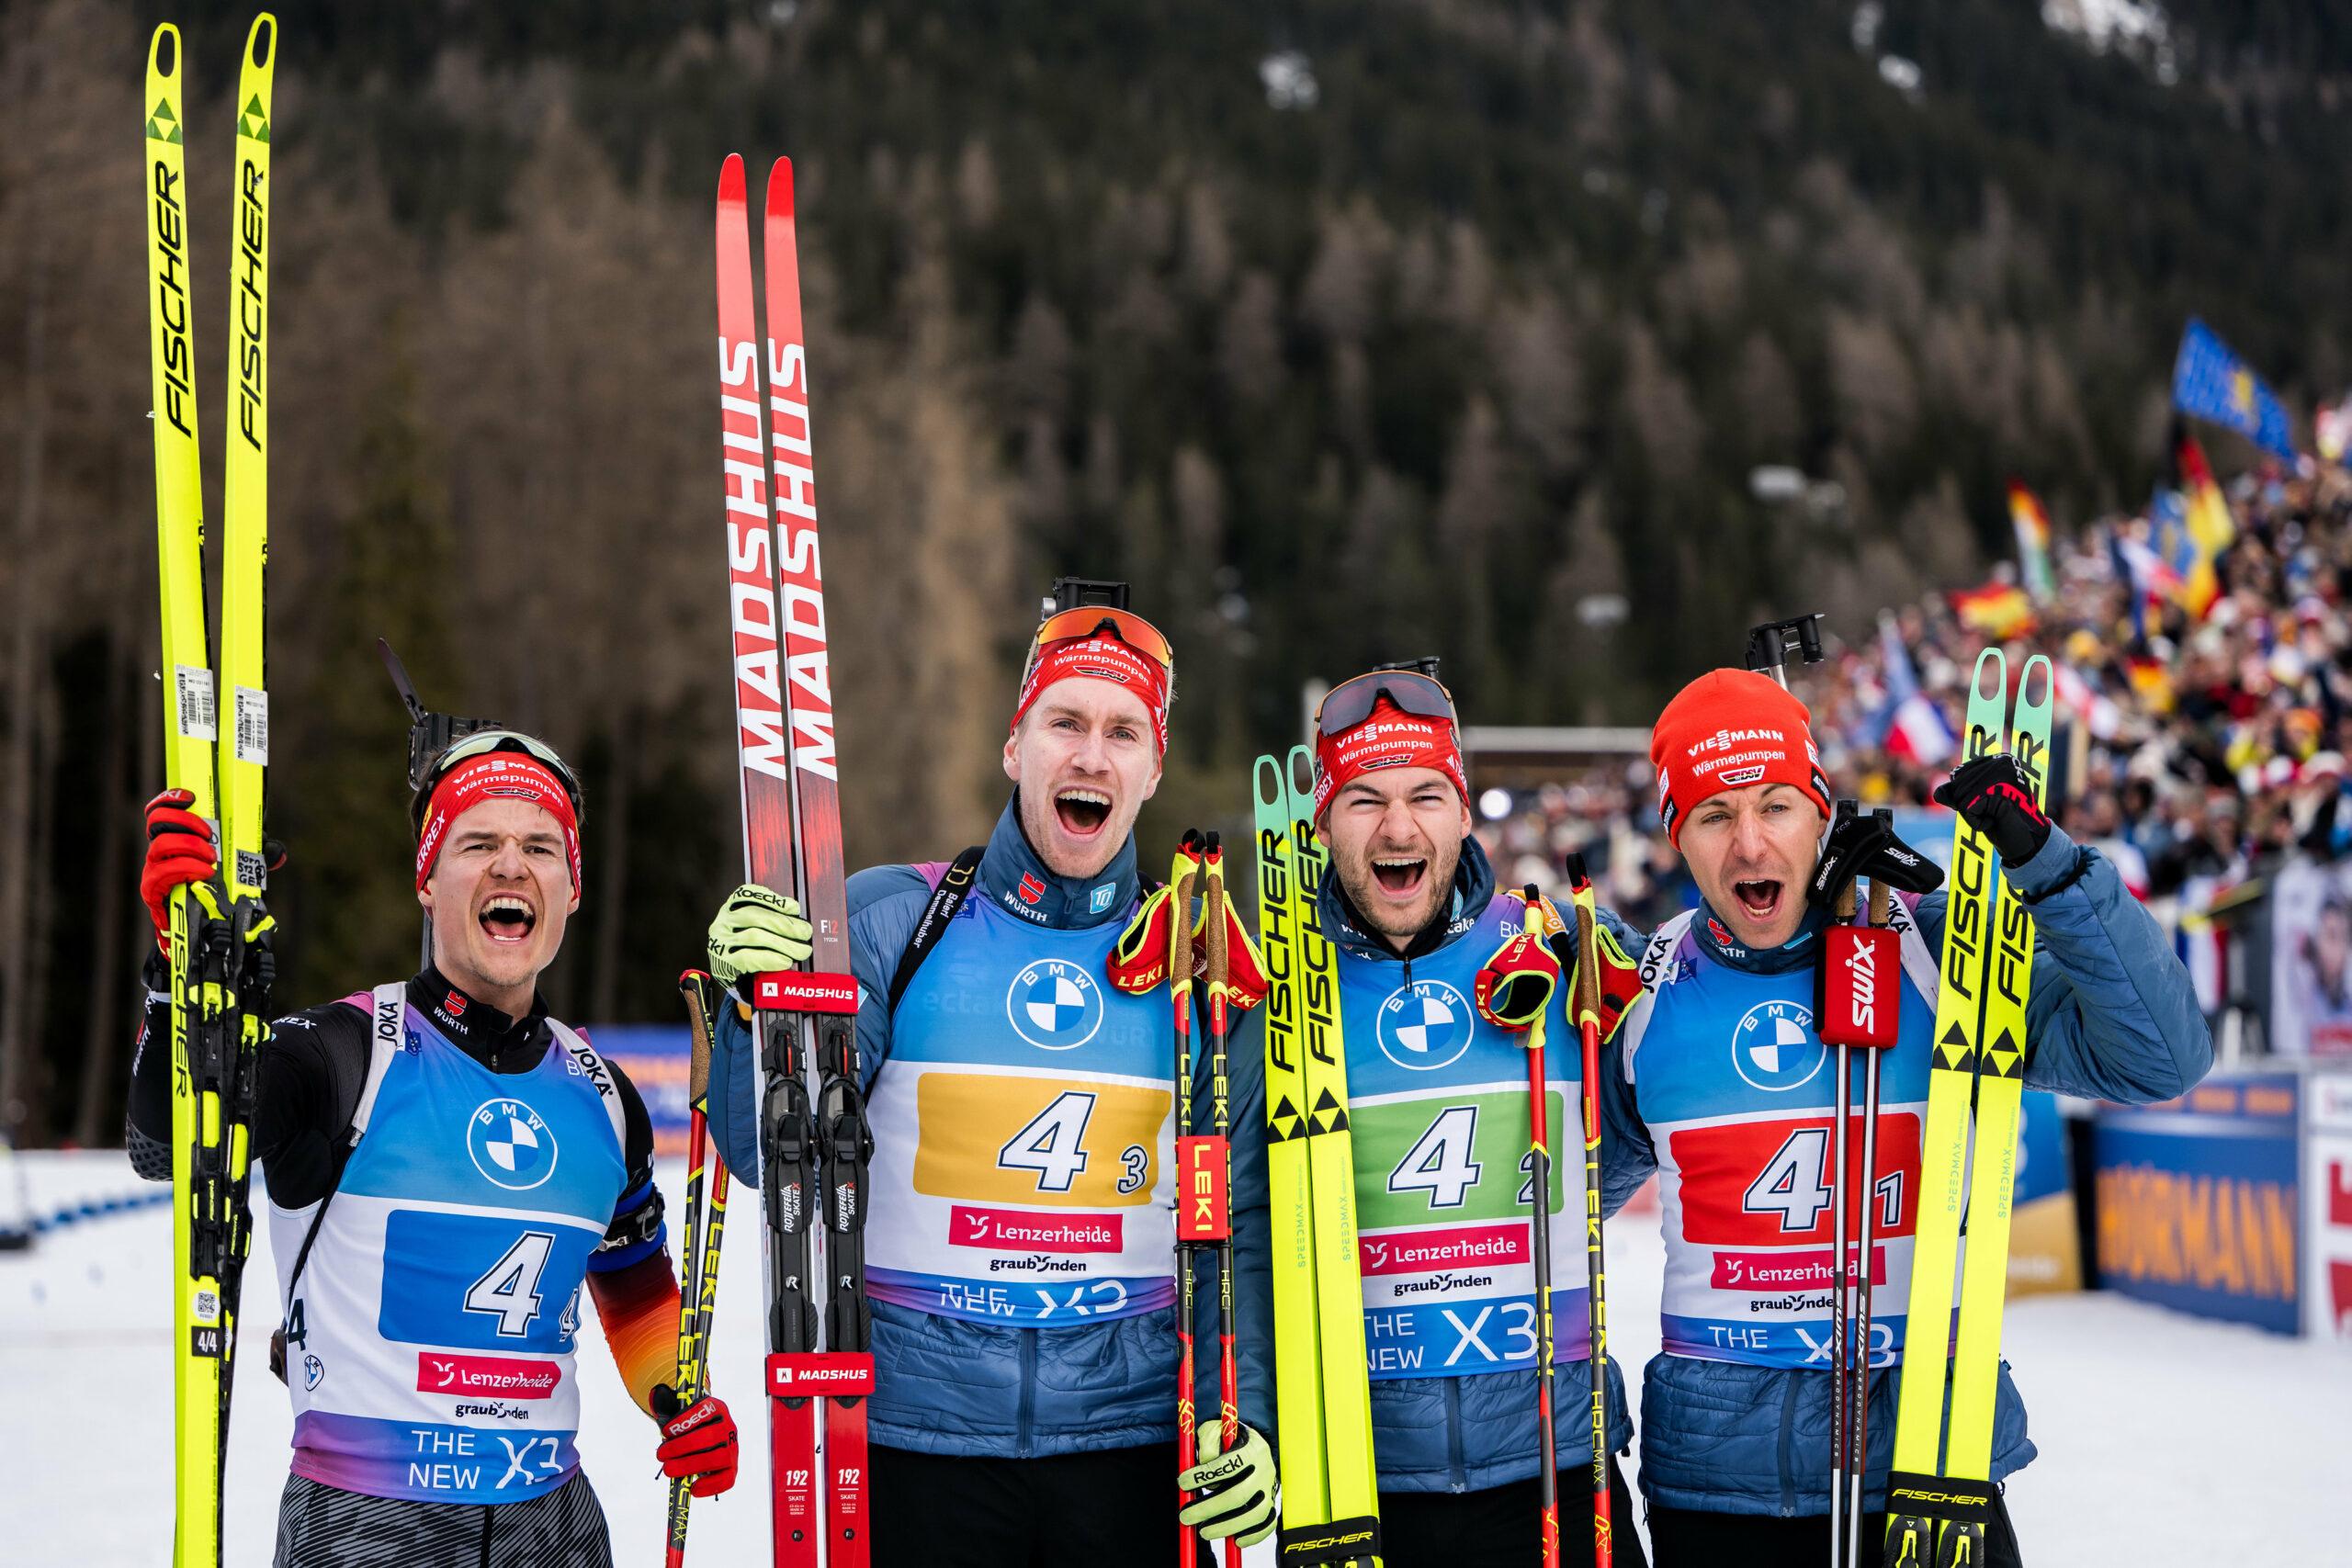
(1993, 658)
(1302, 771)
(731, 180)
(164, 52)
(261, 43)
(780, 189)
(2027, 703)
(1270, 782)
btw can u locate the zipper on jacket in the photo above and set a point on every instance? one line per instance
(1457, 1473)
(1793, 1381)
(1025, 1440)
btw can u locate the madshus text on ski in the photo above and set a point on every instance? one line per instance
(1096, 1225)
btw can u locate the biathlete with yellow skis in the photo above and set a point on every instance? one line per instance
(1439, 1102)
(448, 1168)
(1020, 1229)
(1716, 1080)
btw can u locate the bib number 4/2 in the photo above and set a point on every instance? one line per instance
(510, 1290)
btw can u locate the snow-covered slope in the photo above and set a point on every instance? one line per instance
(2164, 1439)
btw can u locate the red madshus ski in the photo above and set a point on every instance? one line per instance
(829, 1062)
(805, 1020)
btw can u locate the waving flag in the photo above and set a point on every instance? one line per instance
(1914, 728)
(2193, 527)
(2000, 610)
(2209, 381)
(2032, 524)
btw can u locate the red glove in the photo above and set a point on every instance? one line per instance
(698, 1440)
(179, 850)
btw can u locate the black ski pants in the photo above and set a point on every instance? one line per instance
(325, 1527)
(1685, 1538)
(1501, 1526)
(1072, 1511)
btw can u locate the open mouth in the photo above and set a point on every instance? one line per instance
(1400, 876)
(1758, 900)
(1082, 811)
(508, 918)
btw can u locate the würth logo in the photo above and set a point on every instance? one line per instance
(1031, 888)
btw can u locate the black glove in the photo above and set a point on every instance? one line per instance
(1996, 797)
(1861, 846)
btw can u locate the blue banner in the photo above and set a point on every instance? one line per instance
(2199, 1202)
(2210, 382)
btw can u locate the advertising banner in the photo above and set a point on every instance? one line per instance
(2197, 1200)
(656, 1058)
(2327, 1166)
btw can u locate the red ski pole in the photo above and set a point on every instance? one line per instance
(1180, 991)
(1586, 1002)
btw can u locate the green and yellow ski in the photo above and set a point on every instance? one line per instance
(1939, 1492)
(220, 968)
(1323, 1390)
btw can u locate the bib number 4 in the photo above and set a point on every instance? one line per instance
(1053, 1144)
(510, 1290)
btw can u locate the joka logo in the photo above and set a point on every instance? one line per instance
(511, 1145)
(1774, 1046)
(1031, 888)
(1054, 1005)
(1425, 1025)
(1099, 900)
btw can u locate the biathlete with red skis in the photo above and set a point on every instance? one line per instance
(447, 1167)
(1715, 1080)
(1021, 1220)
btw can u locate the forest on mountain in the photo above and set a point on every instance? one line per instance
(1345, 330)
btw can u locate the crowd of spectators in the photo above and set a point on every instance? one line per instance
(2195, 750)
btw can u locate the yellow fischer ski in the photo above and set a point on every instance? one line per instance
(2000, 1097)
(1323, 1391)
(219, 968)
(1939, 1493)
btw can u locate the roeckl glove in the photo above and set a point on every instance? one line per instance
(757, 932)
(180, 850)
(1996, 797)
(1516, 984)
(697, 1439)
(1236, 1493)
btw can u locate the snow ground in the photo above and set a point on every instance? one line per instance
(2165, 1440)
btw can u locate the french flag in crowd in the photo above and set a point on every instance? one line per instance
(1914, 728)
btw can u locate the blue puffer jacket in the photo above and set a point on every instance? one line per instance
(2113, 1016)
(1470, 1432)
(967, 1389)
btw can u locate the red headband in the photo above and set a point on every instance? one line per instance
(502, 775)
(1100, 657)
(1390, 737)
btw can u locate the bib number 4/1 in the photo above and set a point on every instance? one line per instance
(510, 1290)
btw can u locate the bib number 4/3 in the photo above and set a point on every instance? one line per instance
(1053, 1144)
(510, 1290)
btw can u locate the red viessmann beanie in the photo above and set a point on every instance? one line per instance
(1727, 729)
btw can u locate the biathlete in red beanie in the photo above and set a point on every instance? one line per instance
(1717, 1083)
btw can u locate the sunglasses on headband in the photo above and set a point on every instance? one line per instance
(1349, 702)
(482, 743)
(1067, 626)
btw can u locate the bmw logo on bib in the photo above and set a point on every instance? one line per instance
(510, 1144)
(1426, 1025)
(1054, 1005)
(1774, 1046)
